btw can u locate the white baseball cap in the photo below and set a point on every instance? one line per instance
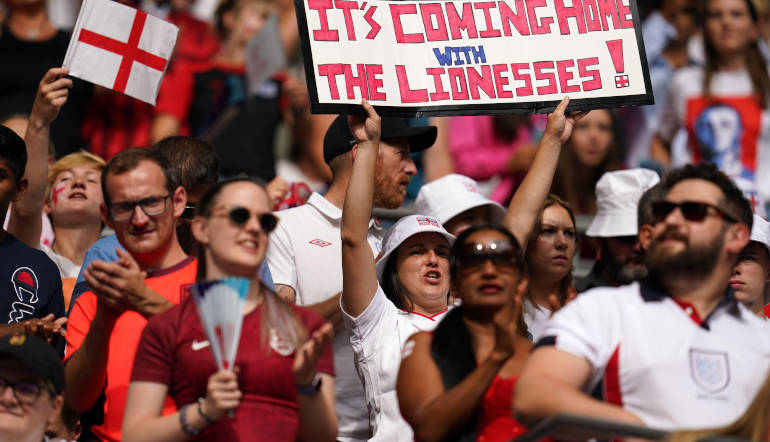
(404, 229)
(760, 231)
(617, 197)
(452, 195)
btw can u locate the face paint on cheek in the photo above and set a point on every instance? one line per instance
(56, 191)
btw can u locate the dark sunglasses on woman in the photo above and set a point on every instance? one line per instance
(241, 215)
(502, 254)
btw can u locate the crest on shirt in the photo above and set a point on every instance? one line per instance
(280, 346)
(710, 369)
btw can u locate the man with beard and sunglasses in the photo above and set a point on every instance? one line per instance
(673, 351)
(142, 204)
(305, 252)
(621, 258)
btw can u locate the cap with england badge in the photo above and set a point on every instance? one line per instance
(617, 198)
(339, 139)
(36, 356)
(404, 229)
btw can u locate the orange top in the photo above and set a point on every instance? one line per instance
(124, 340)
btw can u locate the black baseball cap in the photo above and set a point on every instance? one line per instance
(35, 355)
(339, 140)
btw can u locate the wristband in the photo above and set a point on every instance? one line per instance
(186, 428)
(203, 415)
(312, 388)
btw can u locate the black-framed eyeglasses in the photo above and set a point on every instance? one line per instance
(151, 206)
(25, 391)
(189, 212)
(240, 216)
(691, 210)
(502, 254)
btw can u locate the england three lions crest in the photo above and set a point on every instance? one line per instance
(710, 369)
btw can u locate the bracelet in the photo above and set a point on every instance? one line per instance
(208, 420)
(186, 428)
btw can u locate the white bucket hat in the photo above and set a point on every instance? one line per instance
(404, 229)
(452, 195)
(760, 232)
(617, 197)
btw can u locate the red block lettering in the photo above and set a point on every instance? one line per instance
(564, 13)
(352, 81)
(481, 81)
(527, 88)
(396, 11)
(518, 18)
(624, 11)
(457, 82)
(440, 93)
(409, 95)
(607, 9)
(374, 83)
(565, 76)
(490, 31)
(457, 23)
(550, 77)
(323, 34)
(501, 81)
(331, 71)
(346, 6)
(591, 14)
(542, 26)
(433, 32)
(596, 79)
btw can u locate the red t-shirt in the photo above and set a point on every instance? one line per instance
(123, 341)
(496, 422)
(173, 352)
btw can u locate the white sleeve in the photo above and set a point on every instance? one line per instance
(280, 258)
(586, 327)
(374, 326)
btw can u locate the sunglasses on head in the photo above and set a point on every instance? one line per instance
(691, 210)
(473, 255)
(241, 215)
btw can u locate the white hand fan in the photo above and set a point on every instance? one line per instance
(220, 309)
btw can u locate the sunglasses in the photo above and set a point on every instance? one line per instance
(241, 215)
(502, 254)
(691, 211)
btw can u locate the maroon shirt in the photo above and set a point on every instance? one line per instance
(171, 353)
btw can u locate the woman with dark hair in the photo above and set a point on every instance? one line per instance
(406, 290)
(548, 260)
(724, 104)
(283, 385)
(457, 382)
(595, 147)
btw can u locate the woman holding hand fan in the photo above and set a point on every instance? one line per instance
(282, 385)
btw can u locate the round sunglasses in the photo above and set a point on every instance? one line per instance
(240, 216)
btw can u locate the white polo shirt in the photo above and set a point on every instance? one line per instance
(655, 358)
(305, 253)
(377, 336)
(536, 317)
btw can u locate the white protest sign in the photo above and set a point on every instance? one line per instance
(472, 57)
(265, 55)
(121, 48)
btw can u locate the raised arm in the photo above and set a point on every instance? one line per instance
(525, 205)
(359, 277)
(25, 222)
(551, 383)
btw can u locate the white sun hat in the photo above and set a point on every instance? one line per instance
(452, 195)
(760, 231)
(404, 229)
(617, 197)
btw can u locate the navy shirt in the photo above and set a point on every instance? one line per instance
(30, 283)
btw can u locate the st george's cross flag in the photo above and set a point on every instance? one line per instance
(120, 48)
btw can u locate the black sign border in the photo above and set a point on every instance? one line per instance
(471, 108)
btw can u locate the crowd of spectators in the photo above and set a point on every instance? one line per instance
(461, 318)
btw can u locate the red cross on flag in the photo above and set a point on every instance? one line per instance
(121, 48)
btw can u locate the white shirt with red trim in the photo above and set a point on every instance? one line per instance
(377, 336)
(658, 360)
(305, 254)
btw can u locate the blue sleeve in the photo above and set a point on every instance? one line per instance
(102, 250)
(265, 276)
